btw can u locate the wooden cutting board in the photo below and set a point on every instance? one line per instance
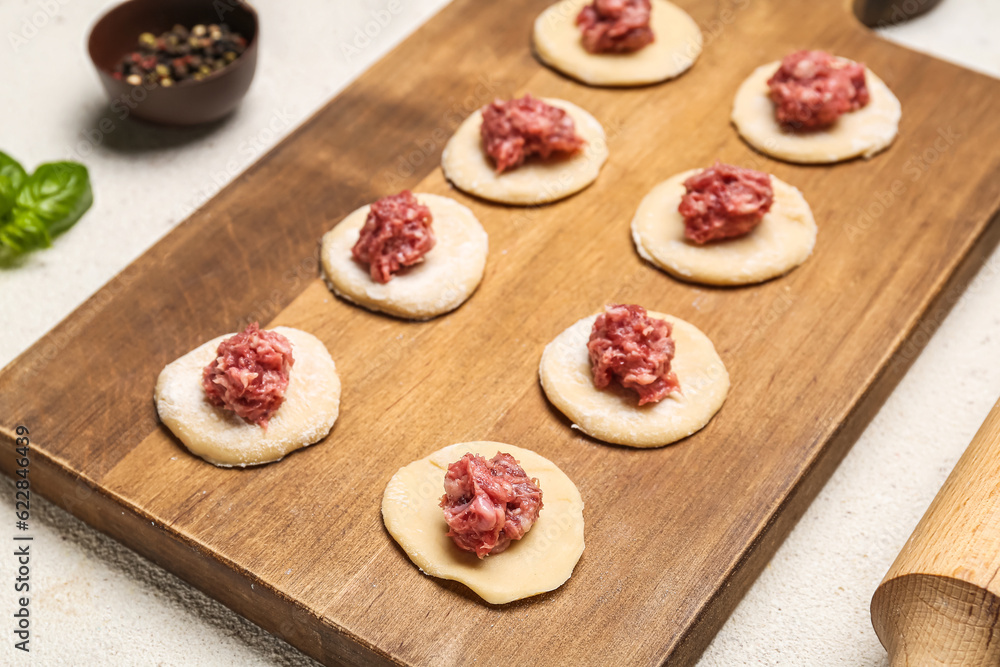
(674, 536)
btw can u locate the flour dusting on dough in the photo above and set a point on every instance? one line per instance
(310, 408)
(861, 133)
(783, 240)
(612, 415)
(448, 275)
(467, 166)
(557, 41)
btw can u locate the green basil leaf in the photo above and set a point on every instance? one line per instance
(13, 170)
(21, 232)
(8, 194)
(58, 194)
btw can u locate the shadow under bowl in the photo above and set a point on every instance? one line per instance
(116, 34)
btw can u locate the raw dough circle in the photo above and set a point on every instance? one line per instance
(613, 414)
(539, 562)
(783, 239)
(449, 274)
(466, 164)
(677, 45)
(312, 402)
(864, 132)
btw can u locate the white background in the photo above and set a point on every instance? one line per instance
(96, 602)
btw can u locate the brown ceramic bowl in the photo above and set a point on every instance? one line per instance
(190, 102)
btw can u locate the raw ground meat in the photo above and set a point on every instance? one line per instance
(629, 347)
(249, 374)
(615, 26)
(515, 130)
(489, 503)
(724, 202)
(397, 233)
(812, 89)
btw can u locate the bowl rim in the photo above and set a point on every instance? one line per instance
(190, 83)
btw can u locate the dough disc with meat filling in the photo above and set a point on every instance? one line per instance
(311, 405)
(613, 414)
(537, 181)
(677, 45)
(783, 239)
(539, 562)
(447, 276)
(863, 133)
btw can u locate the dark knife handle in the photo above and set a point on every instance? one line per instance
(880, 13)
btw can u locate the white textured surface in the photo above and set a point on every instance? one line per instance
(95, 602)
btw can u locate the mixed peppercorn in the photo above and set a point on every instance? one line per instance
(180, 55)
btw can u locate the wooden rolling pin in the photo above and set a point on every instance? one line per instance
(939, 604)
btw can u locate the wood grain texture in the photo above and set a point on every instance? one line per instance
(939, 604)
(674, 535)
